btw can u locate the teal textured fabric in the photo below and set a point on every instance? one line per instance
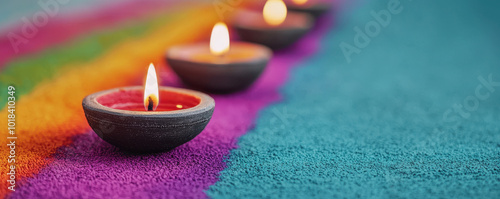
(414, 114)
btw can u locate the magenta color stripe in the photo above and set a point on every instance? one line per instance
(64, 28)
(91, 168)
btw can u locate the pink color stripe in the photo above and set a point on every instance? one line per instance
(59, 29)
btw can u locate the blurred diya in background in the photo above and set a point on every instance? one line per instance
(313, 7)
(220, 66)
(149, 118)
(274, 27)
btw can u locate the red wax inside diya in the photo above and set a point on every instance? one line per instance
(149, 118)
(131, 100)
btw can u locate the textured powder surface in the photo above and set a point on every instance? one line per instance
(373, 128)
(91, 168)
(52, 112)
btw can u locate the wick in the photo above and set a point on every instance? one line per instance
(222, 57)
(150, 104)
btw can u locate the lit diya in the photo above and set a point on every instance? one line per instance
(149, 118)
(220, 66)
(313, 7)
(274, 27)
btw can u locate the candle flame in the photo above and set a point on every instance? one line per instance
(274, 12)
(299, 2)
(151, 97)
(219, 40)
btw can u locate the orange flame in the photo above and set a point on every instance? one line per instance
(219, 40)
(274, 12)
(151, 97)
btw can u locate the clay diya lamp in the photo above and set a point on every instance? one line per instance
(221, 66)
(150, 118)
(274, 27)
(315, 8)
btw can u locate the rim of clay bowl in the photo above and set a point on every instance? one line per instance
(206, 103)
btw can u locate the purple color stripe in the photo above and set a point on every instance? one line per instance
(91, 168)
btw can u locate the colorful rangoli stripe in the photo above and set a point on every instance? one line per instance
(43, 126)
(50, 62)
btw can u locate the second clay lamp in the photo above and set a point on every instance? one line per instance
(220, 66)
